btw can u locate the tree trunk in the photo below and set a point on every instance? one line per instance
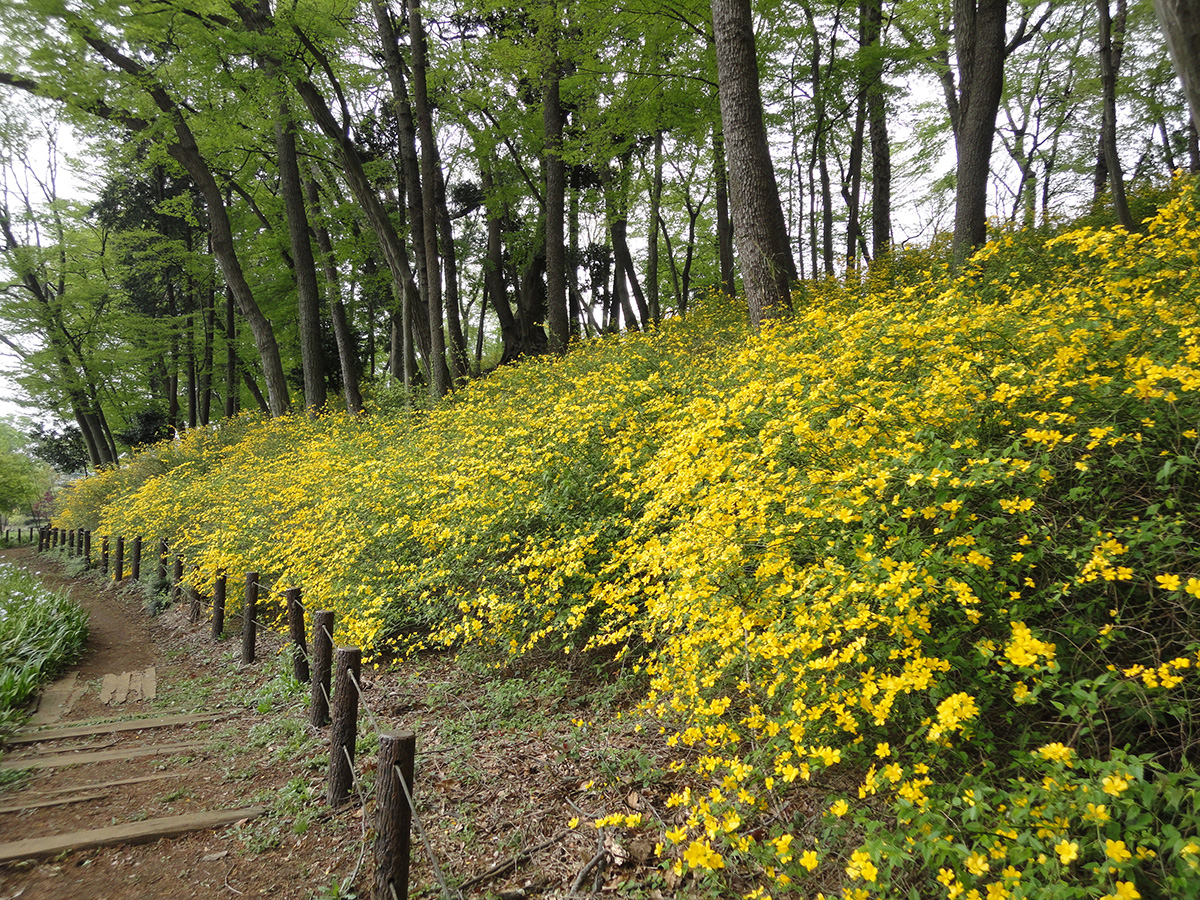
(871, 24)
(979, 42)
(308, 295)
(439, 376)
(337, 310)
(656, 186)
(556, 185)
(1112, 37)
(759, 228)
(1180, 23)
(232, 378)
(724, 225)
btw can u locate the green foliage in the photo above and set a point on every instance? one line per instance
(40, 632)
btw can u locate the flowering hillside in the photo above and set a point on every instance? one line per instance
(911, 579)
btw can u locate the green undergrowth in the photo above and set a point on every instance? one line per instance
(906, 585)
(41, 632)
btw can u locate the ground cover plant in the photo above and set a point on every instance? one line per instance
(909, 582)
(40, 633)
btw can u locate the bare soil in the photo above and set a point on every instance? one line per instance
(505, 761)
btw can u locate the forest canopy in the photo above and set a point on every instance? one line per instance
(307, 205)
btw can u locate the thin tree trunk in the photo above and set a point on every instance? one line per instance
(724, 225)
(1112, 36)
(556, 263)
(656, 186)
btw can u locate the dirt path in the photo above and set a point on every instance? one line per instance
(251, 749)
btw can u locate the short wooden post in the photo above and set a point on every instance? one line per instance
(322, 660)
(71, 542)
(161, 575)
(295, 614)
(218, 620)
(135, 562)
(119, 563)
(249, 611)
(104, 554)
(87, 549)
(393, 815)
(344, 733)
(41, 540)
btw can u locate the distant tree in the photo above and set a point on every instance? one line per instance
(63, 448)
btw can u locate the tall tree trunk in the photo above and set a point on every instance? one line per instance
(656, 186)
(439, 377)
(308, 295)
(510, 331)
(724, 225)
(979, 46)
(556, 185)
(410, 163)
(1112, 39)
(206, 365)
(759, 228)
(232, 377)
(337, 310)
(871, 25)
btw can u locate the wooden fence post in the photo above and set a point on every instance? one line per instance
(218, 622)
(119, 563)
(322, 658)
(393, 815)
(71, 542)
(135, 563)
(87, 549)
(104, 554)
(249, 611)
(295, 614)
(344, 734)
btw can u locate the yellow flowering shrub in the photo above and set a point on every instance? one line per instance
(932, 537)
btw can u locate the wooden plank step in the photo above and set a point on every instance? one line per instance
(130, 833)
(70, 731)
(103, 785)
(79, 759)
(56, 801)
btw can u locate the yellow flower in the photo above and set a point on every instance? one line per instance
(1114, 785)
(808, 859)
(701, 856)
(839, 808)
(1056, 752)
(1068, 852)
(1125, 891)
(1168, 582)
(1117, 851)
(977, 863)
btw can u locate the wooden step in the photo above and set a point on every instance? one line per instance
(56, 760)
(130, 833)
(70, 731)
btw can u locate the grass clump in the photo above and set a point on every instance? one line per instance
(40, 633)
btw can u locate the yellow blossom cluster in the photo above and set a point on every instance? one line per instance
(871, 530)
